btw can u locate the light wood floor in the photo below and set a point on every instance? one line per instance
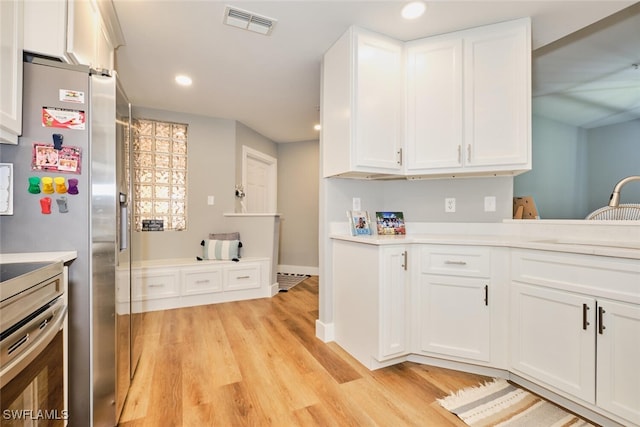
(258, 363)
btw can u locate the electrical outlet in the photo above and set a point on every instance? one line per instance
(450, 204)
(490, 203)
(356, 204)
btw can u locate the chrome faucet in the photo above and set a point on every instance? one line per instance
(614, 200)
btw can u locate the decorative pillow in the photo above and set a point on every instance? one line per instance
(221, 249)
(235, 235)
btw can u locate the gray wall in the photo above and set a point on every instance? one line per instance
(575, 169)
(423, 200)
(211, 145)
(557, 180)
(298, 171)
(614, 153)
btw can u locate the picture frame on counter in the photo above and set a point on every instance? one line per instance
(359, 223)
(390, 223)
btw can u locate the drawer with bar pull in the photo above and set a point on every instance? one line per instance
(203, 281)
(455, 260)
(241, 277)
(154, 284)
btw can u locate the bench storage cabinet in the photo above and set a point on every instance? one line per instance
(176, 283)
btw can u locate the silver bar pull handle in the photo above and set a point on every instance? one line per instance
(404, 260)
(124, 218)
(459, 154)
(243, 277)
(453, 262)
(469, 153)
(399, 153)
(486, 295)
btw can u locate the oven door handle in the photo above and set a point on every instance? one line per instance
(15, 366)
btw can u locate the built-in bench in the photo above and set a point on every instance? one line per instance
(174, 283)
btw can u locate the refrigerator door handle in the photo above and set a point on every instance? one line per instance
(123, 222)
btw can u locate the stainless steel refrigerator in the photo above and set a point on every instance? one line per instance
(74, 106)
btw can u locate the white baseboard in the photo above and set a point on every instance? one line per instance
(325, 331)
(298, 269)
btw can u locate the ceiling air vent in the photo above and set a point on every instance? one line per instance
(248, 20)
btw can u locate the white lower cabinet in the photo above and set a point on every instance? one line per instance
(455, 318)
(394, 294)
(554, 340)
(371, 287)
(454, 310)
(569, 333)
(618, 355)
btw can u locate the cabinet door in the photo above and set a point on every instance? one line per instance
(497, 95)
(553, 338)
(455, 317)
(82, 32)
(11, 70)
(618, 355)
(394, 292)
(377, 110)
(434, 104)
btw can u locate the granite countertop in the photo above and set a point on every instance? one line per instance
(64, 256)
(617, 249)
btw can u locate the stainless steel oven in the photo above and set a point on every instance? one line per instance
(32, 315)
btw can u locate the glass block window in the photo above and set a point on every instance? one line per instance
(160, 173)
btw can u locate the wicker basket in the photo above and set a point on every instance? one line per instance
(629, 212)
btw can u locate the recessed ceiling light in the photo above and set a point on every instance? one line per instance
(413, 10)
(183, 80)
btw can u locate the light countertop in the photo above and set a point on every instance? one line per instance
(619, 249)
(64, 256)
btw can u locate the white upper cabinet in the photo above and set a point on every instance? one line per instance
(11, 39)
(497, 97)
(73, 30)
(434, 104)
(466, 99)
(362, 96)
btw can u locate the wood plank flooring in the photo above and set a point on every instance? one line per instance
(258, 363)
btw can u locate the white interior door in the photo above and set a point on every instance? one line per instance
(259, 179)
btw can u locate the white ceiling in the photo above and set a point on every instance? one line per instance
(272, 83)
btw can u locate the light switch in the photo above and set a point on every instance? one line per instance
(356, 204)
(210, 200)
